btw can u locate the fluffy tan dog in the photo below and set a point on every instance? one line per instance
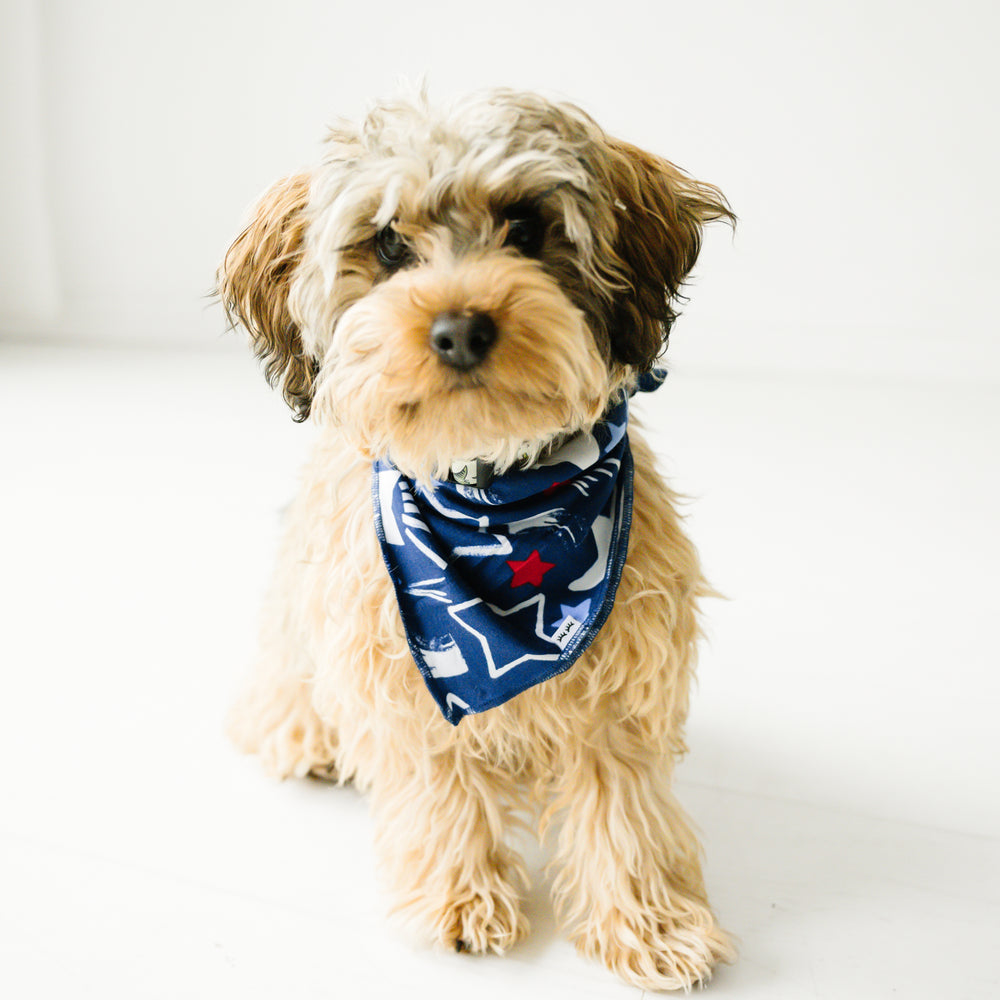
(550, 255)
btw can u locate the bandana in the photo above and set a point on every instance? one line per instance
(503, 582)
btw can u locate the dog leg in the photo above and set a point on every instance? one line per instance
(440, 840)
(629, 889)
(274, 719)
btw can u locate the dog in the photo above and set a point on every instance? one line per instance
(463, 301)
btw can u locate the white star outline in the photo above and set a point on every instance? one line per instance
(494, 670)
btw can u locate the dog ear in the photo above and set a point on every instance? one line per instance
(660, 212)
(253, 283)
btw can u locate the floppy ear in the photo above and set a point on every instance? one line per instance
(660, 212)
(253, 283)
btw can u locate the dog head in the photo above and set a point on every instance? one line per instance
(476, 282)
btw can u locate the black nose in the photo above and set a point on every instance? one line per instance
(462, 339)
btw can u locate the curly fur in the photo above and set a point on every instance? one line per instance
(335, 691)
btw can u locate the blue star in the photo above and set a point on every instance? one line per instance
(579, 612)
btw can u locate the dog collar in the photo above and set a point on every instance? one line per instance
(480, 473)
(475, 472)
(504, 585)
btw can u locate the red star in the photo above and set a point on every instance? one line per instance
(531, 570)
(549, 490)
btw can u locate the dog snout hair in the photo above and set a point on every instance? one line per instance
(462, 339)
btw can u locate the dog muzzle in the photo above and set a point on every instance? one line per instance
(503, 583)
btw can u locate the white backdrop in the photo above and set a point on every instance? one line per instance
(856, 141)
(834, 414)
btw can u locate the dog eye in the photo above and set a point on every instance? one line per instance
(525, 229)
(390, 248)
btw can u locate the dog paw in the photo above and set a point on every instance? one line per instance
(324, 772)
(482, 922)
(476, 915)
(286, 734)
(657, 951)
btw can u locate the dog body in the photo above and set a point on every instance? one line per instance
(480, 285)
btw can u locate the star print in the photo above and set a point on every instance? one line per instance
(523, 619)
(530, 570)
(579, 611)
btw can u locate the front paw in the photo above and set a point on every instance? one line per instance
(480, 916)
(481, 923)
(657, 948)
(282, 728)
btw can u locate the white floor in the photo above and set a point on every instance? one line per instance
(845, 760)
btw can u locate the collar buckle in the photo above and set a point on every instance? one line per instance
(475, 473)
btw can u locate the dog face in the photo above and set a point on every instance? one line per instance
(472, 283)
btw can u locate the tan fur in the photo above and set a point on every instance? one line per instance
(423, 420)
(335, 691)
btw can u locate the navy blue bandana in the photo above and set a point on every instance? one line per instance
(502, 583)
